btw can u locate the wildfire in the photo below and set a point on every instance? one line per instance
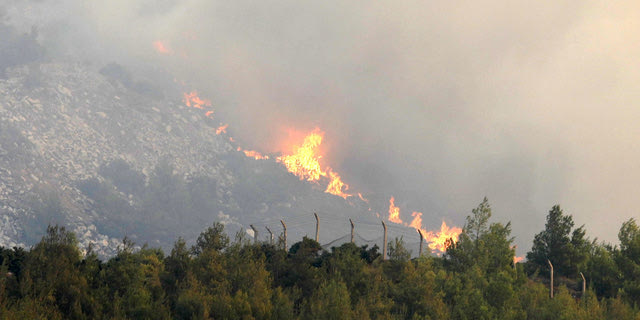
(209, 114)
(437, 240)
(305, 163)
(363, 198)
(336, 185)
(394, 212)
(416, 223)
(192, 100)
(516, 259)
(161, 47)
(253, 154)
(222, 128)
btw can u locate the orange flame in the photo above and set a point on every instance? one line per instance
(394, 212)
(222, 128)
(161, 47)
(209, 114)
(416, 223)
(192, 100)
(336, 185)
(517, 259)
(438, 240)
(305, 163)
(254, 154)
(363, 198)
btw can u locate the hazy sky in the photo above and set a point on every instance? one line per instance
(438, 103)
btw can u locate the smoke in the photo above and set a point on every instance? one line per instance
(436, 103)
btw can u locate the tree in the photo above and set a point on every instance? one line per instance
(567, 250)
(213, 238)
(489, 246)
(478, 222)
(330, 301)
(628, 259)
(51, 273)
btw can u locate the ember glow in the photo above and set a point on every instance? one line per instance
(192, 100)
(305, 164)
(222, 129)
(161, 47)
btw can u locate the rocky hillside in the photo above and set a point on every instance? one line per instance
(110, 157)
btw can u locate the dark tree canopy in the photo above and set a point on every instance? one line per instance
(566, 249)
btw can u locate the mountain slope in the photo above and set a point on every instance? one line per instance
(111, 157)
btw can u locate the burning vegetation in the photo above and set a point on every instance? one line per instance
(304, 162)
(437, 240)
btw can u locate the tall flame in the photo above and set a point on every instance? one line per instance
(394, 212)
(305, 163)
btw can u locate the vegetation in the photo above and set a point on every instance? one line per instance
(217, 278)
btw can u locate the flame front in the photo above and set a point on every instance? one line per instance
(305, 164)
(517, 259)
(394, 212)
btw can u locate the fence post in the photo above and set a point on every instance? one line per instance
(551, 284)
(350, 221)
(421, 240)
(270, 235)
(384, 245)
(285, 234)
(255, 234)
(317, 226)
(584, 284)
